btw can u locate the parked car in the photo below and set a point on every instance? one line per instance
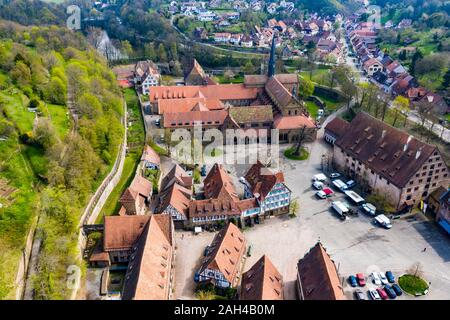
(375, 278)
(359, 294)
(361, 279)
(321, 194)
(350, 184)
(369, 208)
(383, 278)
(335, 175)
(196, 277)
(397, 289)
(390, 276)
(390, 292)
(318, 185)
(374, 294)
(352, 281)
(158, 122)
(382, 293)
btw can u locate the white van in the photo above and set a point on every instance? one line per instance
(384, 221)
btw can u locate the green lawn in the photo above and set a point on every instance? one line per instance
(222, 80)
(289, 153)
(317, 75)
(16, 111)
(412, 284)
(330, 104)
(60, 119)
(136, 137)
(312, 108)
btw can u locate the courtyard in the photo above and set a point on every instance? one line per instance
(356, 244)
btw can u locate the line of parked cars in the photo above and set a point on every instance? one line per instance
(389, 289)
(342, 208)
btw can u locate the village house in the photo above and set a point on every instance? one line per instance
(136, 198)
(222, 265)
(206, 16)
(236, 38)
(262, 282)
(196, 76)
(176, 175)
(146, 76)
(387, 161)
(175, 201)
(247, 41)
(269, 190)
(150, 158)
(221, 201)
(372, 66)
(317, 276)
(222, 37)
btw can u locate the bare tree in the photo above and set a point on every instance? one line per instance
(416, 270)
(301, 139)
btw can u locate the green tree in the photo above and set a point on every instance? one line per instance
(306, 87)
(162, 54)
(400, 106)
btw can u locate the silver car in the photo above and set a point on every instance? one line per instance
(376, 278)
(383, 278)
(374, 295)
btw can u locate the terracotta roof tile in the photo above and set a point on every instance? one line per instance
(388, 151)
(262, 179)
(150, 155)
(262, 282)
(149, 269)
(319, 277)
(228, 248)
(293, 122)
(121, 232)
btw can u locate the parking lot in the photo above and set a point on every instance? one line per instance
(356, 244)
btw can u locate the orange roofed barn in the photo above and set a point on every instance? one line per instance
(222, 264)
(146, 243)
(317, 277)
(262, 282)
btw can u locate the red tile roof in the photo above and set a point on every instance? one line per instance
(388, 151)
(150, 155)
(319, 277)
(176, 196)
(293, 122)
(189, 119)
(262, 179)
(228, 248)
(337, 126)
(149, 270)
(122, 232)
(262, 282)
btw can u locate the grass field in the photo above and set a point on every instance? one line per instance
(136, 137)
(312, 108)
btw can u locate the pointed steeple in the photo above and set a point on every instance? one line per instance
(272, 58)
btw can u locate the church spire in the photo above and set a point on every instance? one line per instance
(272, 58)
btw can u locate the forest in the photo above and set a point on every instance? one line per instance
(60, 129)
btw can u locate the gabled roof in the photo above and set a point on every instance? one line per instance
(188, 119)
(148, 274)
(293, 122)
(122, 232)
(388, 151)
(251, 114)
(337, 126)
(227, 247)
(262, 179)
(318, 275)
(178, 197)
(219, 184)
(278, 92)
(139, 187)
(262, 282)
(176, 175)
(150, 155)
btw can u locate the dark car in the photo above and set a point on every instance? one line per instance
(382, 294)
(196, 277)
(352, 281)
(397, 289)
(390, 276)
(158, 122)
(359, 295)
(390, 292)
